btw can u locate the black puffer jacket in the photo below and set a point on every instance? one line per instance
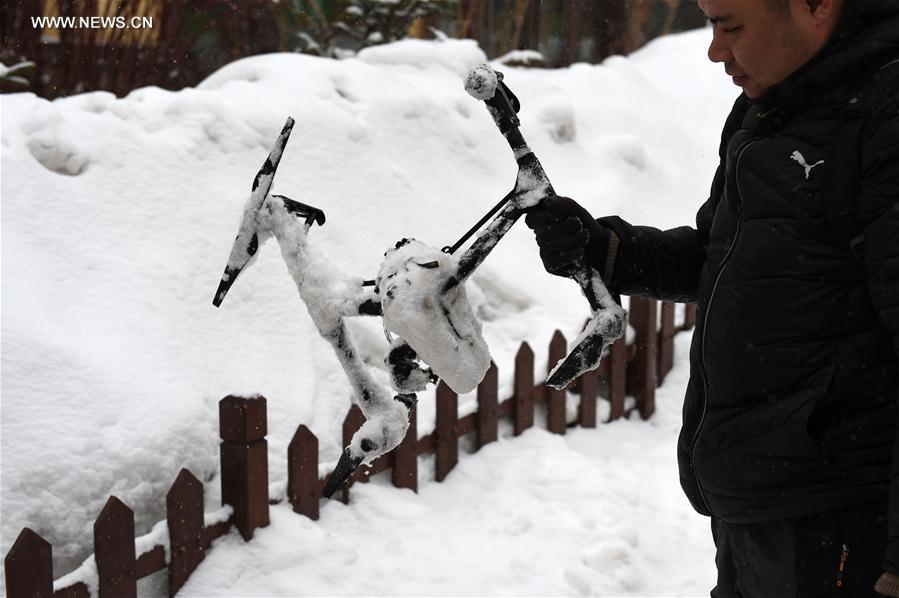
(791, 407)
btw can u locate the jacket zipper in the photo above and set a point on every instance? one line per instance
(705, 327)
(841, 569)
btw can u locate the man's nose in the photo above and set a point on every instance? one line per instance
(718, 49)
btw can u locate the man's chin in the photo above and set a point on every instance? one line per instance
(750, 88)
(753, 92)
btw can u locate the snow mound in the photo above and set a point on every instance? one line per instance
(54, 144)
(270, 69)
(455, 55)
(559, 119)
(529, 58)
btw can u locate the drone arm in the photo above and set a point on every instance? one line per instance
(531, 186)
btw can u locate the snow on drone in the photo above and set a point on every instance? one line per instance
(419, 292)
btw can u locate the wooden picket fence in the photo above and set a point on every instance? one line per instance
(634, 369)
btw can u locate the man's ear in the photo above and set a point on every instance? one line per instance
(822, 11)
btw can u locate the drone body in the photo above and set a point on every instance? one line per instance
(440, 326)
(419, 292)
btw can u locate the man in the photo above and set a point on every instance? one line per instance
(790, 413)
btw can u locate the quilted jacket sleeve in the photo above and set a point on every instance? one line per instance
(661, 264)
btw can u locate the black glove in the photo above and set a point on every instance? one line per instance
(887, 585)
(568, 236)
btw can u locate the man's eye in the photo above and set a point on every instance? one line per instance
(731, 29)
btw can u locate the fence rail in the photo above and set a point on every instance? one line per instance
(634, 369)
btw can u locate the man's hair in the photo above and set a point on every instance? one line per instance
(778, 5)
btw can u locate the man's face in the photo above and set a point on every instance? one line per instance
(760, 46)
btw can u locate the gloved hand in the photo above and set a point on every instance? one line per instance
(887, 585)
(568, 237)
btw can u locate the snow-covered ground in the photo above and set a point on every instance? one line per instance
(117, 219)
(593, 513)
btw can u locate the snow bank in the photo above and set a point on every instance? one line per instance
(118, 215)
(454, 55)
(593, 513)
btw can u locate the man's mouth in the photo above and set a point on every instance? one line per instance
(740, 80)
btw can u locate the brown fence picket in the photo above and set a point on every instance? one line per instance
(405, 457)
(641, 375)
(666, 341)
(523, 411)
(244, 461)
(488, 406)
(114, 550)
(187, 531)
(589, 389)
(689, 316)
(617, 378)
(29, 567)
(555, 399)
(447, 446)
(302, 473)
(351, 424)
(587, 386)
(646, 401)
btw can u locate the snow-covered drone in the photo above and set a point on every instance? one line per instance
(419, 292)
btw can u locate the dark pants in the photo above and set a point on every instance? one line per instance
(802, 557)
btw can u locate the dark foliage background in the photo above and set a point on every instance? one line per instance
(189, 39)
